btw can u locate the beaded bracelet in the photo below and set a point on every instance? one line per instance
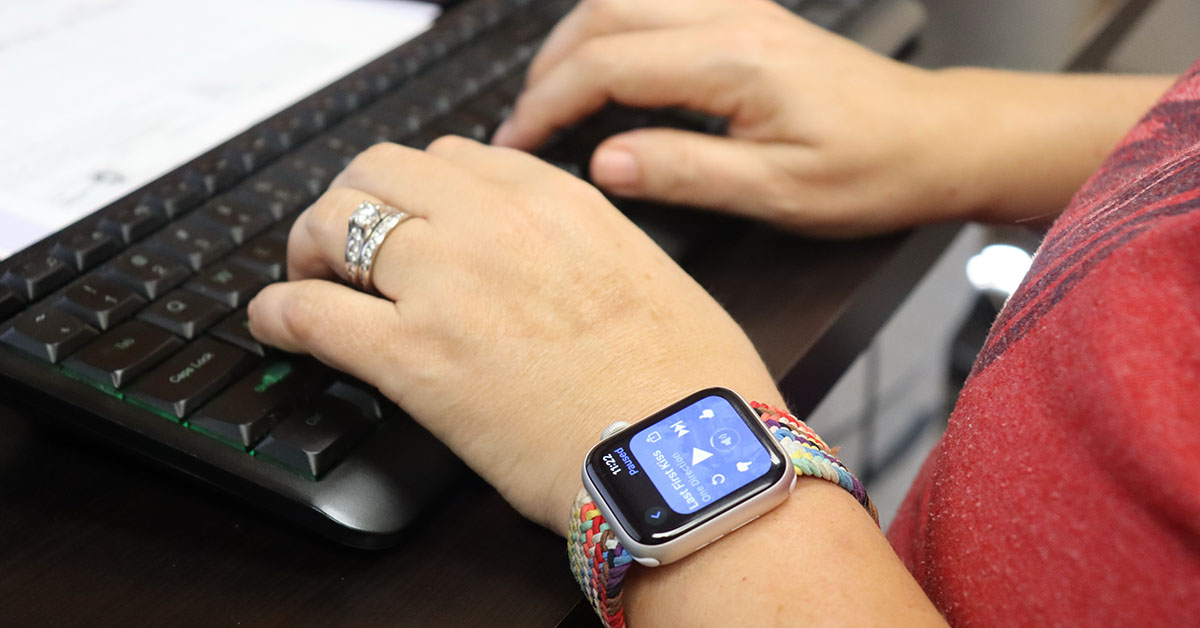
(599, 561)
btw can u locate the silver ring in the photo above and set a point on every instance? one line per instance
(366, 257)
(373, 241)
(364, 219)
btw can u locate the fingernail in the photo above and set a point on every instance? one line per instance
(615, 167)
(502, 134)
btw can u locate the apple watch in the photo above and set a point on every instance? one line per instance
(666, 486)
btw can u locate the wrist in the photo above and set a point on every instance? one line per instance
(1027, 141)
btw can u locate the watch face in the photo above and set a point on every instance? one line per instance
(684, 465)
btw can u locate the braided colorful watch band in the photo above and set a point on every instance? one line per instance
(599, 562)
(810, 455)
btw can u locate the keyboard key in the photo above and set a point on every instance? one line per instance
(47, 334)
(383, 74)
(341, 145)
(358, 394)
(236, 219)
(311, 439)
(10, 303)
(367, 130)
(132, 222)
(192, 243)
(256, 149)
(525, 31)
(298, 125)
(434, 96)
(122, 354)
(35, 278)
(175, 196)
(84, 248)
(184, 313)
(236, 331)
(400, 114)
(243, 413)
(340, 99)
(314, 169)
(491, 107)
(100, 302)
(471, 69)
(190, 377)
(228, 283)
(266, 256)
(214, 173)
(273, 191)
(462, 123)
(148, 272)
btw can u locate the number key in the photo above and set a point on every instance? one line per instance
(228, 283)
(86, 247)
(148, 272)
(101, 302)
(35, 278)
(191, 243)
(237, 219)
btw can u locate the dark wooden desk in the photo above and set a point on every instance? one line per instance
(92, 537)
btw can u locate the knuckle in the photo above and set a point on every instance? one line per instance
(327, 212)
(378, 155)
(446, 145)
(298, 314)
(604, 11)
(592, 54)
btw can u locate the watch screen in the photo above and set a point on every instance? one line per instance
(663, 473)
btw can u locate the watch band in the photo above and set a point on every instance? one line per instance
(599, 562)
(810, 455)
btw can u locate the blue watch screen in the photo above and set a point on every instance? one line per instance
(699, 454)
(684, 465)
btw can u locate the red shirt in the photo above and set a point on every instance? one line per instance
(1066, 490)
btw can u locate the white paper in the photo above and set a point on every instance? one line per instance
(98, 97)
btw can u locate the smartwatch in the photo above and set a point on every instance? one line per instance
(687, 475)
(668, 485)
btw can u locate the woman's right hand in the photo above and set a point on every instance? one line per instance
(813, 118)
(825, 137)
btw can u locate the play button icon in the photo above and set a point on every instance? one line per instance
(699, 455)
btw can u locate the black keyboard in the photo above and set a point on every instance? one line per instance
(131, 323)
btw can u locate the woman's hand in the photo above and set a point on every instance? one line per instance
(519, 313)
(825, 137)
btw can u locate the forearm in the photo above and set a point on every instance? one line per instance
(1035, 138)
(817, 560)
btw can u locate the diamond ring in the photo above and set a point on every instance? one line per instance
(366, 257)
(362, 221)
(369, 225)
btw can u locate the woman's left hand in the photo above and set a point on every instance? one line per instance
(519, 313)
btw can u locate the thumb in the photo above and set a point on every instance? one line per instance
(685, 167)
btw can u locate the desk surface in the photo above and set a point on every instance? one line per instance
(92, 536)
